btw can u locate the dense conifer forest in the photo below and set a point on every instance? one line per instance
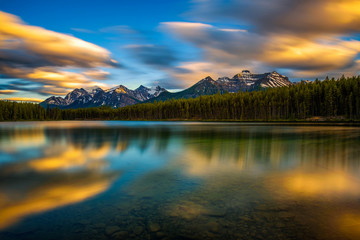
(329, 99)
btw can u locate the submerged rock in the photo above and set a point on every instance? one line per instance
(154, 227)
(217, 213)
(99, 225)
(138, 230)
(112, 229)
(160, 234)
(120, 235)
(213, 227)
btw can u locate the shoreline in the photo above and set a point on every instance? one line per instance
(256, 122)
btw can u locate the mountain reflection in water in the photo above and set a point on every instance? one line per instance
(137, 180)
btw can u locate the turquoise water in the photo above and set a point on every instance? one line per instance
(178, 180)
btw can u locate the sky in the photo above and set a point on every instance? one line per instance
(52, 47)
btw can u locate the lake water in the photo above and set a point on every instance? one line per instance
(178, 180)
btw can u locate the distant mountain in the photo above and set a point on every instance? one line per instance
(143, 93)
(206, 86)
(244, 81)
(249, 81)
(121, 96)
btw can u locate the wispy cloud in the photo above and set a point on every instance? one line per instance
(83, 30)
(119, 29)
(97, 74)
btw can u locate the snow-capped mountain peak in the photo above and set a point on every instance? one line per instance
(117, 96)
(120, 95)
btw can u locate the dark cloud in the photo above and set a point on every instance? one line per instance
(169, 83)
(291, 16)
(21, 58)
(155, 55)
(21, 83)
(235, 46)
(14, 85)
(181, 70)
(40, 88)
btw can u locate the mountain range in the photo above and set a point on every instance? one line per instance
(121, 96)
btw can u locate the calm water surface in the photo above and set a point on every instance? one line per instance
(168, 180)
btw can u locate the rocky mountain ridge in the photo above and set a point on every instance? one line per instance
(115, 97)
(121, 96)
(244, 81)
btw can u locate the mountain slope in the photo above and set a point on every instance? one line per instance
(206, 86)
(244, 81)
(119, 96)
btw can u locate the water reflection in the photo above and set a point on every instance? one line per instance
(322, 183)
(264, 148)
(29, 193)
(157, 180)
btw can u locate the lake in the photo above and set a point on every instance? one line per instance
(178, 180)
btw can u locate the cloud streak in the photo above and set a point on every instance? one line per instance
(9, 91)
(155, 55)
(50, 58)
(54, 80)
(291, 16)
(24, 99)
(300, 37)
(24, 42)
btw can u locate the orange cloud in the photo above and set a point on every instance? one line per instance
(55, 80)
(24, 99)
(97, 74)
(305, 17)
(309, 38)
(293, 52)
(7, 91)
(231, 50)
(43, 56)
(56, 49)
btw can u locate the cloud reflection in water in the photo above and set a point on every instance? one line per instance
(193, 171)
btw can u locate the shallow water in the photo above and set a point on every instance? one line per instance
(170, 180)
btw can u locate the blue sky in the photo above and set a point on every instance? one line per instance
(50, 47)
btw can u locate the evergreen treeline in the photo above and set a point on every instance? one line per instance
(328, 99)
(13, 111)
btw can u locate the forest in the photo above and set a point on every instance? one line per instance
(325, 100)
